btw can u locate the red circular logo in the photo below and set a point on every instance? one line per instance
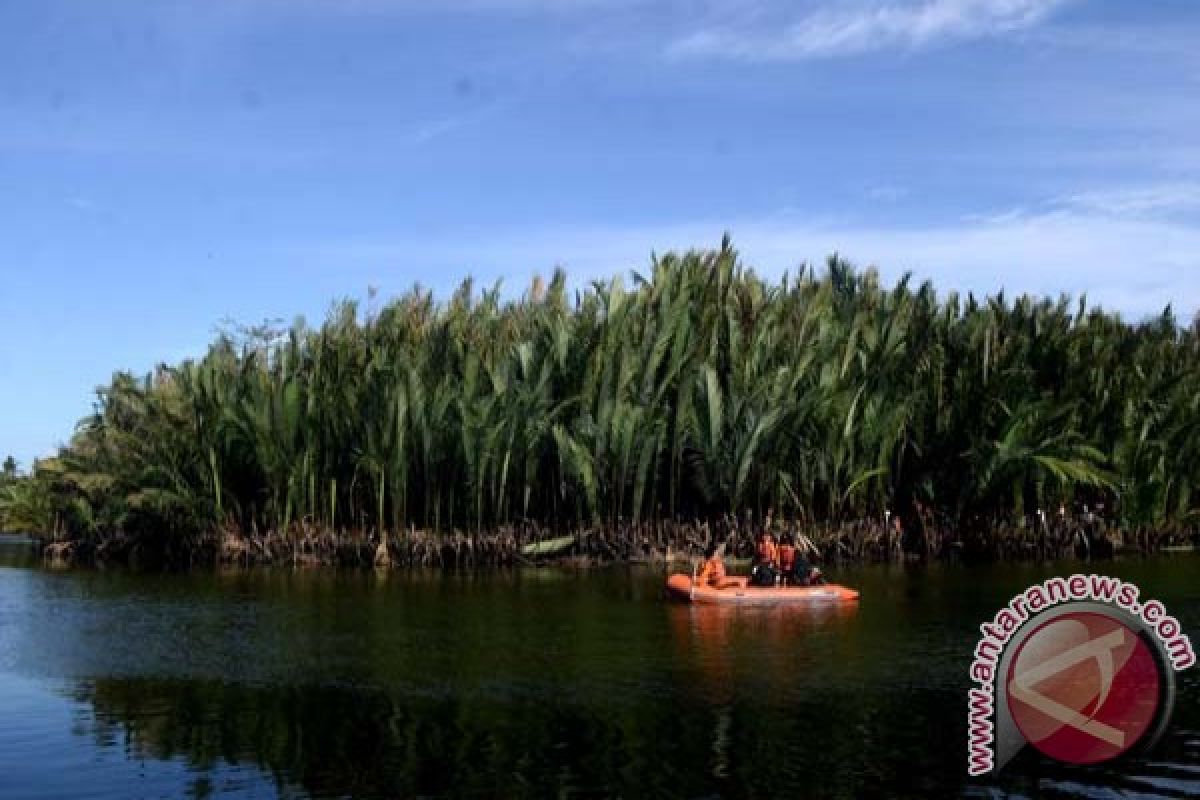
(1084, 688)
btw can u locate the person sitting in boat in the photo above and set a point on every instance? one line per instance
(794, 567)
(713, 572)
(787, 556)
(766, 561)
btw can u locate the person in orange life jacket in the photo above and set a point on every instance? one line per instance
(796, 569)
(713, 572)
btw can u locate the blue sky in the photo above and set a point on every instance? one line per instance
(166, 166)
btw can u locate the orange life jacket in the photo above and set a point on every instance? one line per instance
(787, 557)
(712, 573)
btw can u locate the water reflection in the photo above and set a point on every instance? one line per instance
(534, 684)
(771, 641)
(708, 637)
(338, 742)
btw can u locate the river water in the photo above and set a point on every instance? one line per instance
(538, 683)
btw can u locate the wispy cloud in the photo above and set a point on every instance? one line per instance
(1163, 199)
(1135, 264)
(278, 138)
(352, 7)
(856, 28)
(435, 128)
(886, 192)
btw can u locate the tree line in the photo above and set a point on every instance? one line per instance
(692, 390)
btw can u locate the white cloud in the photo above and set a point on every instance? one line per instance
(443, 6)
(1140, 201)
(1135, 265)
(137, 133)
(887, 192)
(851, 29)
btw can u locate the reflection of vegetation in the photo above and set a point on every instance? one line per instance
(384, 685)
(701, 389)
(343, 742)
(348, 743)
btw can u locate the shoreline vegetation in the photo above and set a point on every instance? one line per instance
(699, 403)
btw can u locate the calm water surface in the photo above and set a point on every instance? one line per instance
(539, 683)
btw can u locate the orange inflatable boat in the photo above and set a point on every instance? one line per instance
(679, 586)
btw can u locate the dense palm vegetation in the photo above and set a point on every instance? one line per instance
(696, 390)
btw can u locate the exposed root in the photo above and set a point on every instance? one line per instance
(855, 541)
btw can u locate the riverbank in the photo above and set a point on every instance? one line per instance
(855, 542)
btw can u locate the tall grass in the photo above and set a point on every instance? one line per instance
(694, 390)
